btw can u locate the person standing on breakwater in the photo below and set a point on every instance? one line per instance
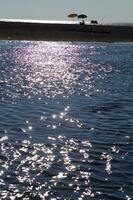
(82, 23)
(82, 16)
(94, 22)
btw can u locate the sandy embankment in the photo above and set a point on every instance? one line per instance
(65, 32)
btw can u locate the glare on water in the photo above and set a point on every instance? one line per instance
(65, 121)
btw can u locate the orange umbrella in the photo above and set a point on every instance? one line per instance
(72, 15)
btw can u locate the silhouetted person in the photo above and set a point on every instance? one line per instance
(82, 23)
(94, 22)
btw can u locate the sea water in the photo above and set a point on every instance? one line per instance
(66, 120)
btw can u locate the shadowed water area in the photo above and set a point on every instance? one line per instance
(66, 120)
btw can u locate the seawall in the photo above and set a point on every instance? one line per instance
(64, 32)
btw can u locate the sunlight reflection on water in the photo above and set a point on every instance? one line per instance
(66, 121)
(56, 163)
(49, 69)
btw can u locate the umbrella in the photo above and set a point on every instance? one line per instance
(82, 16)
(72, 15)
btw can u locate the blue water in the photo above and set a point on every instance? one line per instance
(66, 120)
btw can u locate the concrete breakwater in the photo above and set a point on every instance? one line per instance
(64, 32)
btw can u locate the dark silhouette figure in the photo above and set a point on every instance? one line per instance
(82, 23)
(94, 22)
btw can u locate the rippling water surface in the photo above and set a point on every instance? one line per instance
(66, 121)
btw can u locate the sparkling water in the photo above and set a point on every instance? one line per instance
(66, 120)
